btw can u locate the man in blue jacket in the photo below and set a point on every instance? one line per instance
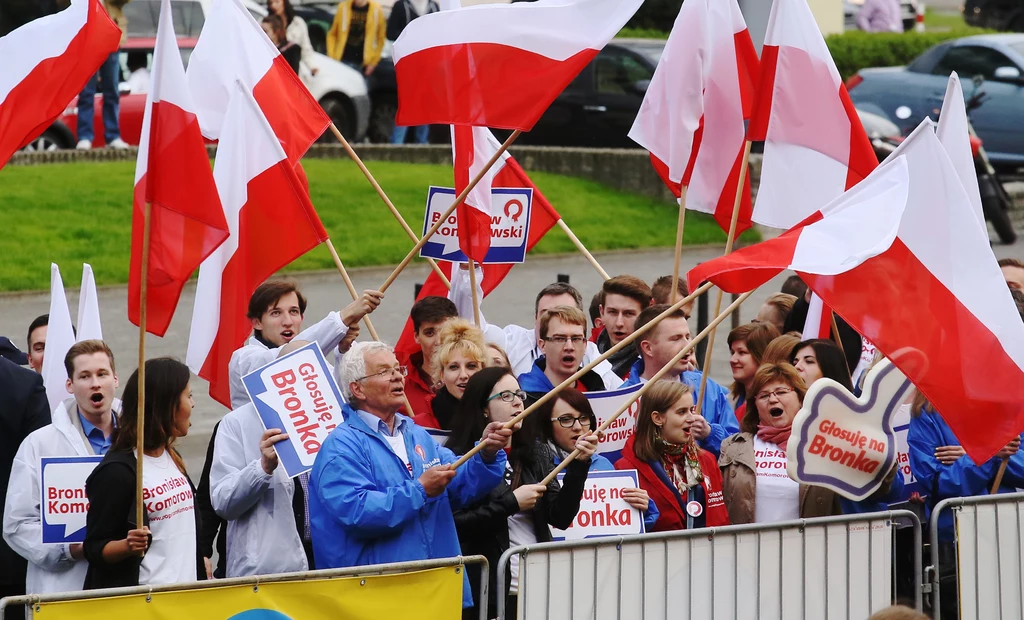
(382, 490)
(657, 348)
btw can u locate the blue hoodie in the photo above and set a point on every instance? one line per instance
(963, 478)
(366, 507)
(716, 410)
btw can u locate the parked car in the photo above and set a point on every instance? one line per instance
(995, 14)
(908, 13)
(906, 95)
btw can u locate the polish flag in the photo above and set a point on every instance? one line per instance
(815, 146)
(60, 337)
(46, 63)
(172, 174)
(704, 83)
(934, 301)
(507, 173)
(471, 149)
(955, 136)
(499, 65)
(272, 223)
(818, 323)
(232, 46)
(89, 325)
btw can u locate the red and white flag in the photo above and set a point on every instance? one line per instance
(172, 174)
(471, 149)
(818, 323)
(232, 46)
(814, 144)
(46, 63)
(272, 223)
(934, 301)
(704, 84)
(955, 136)
(499, 65)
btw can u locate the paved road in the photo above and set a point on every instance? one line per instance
(511, 303)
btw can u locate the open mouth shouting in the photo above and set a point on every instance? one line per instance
(287, 335)
(776, 411)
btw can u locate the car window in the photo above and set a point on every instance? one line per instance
(615, 73)
(318, 35)
(971, 60)
(143, 16)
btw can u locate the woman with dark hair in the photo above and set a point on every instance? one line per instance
(562, 421)
(165, 548)
(820, 358)
(273, 25)
(680, 476)
(519, 510)
(747, 344)
(296, 31)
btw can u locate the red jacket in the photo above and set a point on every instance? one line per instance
(418, 391)
(654, 480)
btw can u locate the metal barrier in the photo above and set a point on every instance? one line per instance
(989, 552)
(29, 601)
(845, 566)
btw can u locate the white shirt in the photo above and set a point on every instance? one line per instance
(777, 496)
(171, 507)
(520, 532)
(396, 440)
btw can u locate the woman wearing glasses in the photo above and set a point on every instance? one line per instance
(460, 354)
(518, 511)
(562, 421)
(755, 483)
(681, 477)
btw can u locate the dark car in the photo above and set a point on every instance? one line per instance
(906, 95)
(995, 14)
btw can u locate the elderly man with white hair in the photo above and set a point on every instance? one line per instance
(382, 490)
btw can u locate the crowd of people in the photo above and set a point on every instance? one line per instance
(382, 488)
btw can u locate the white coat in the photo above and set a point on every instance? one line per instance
(254, 355)
(261, 537)
(50, 567)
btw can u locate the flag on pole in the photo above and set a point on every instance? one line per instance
(272, 222)
(933, 300)
(818, 323)
(954, 134)
(704, 83)
(172, 174)
(471, 149)
(499, 65)
(89, 326)
(815, 146)
(231, 47)
(46, 63)
(60, 337)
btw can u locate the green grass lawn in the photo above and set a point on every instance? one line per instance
(942, 21)
(75, 213)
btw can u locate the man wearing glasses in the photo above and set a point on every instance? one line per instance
(563, 343)
(382, 490)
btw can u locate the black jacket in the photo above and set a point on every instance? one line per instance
(23, 409)
(401, 14)
(111, 492)
(215, 529)
(622, 361)
(483, 527)
(444, 407)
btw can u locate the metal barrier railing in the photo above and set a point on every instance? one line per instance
(649, 575)
(986, 528)
(29, 601)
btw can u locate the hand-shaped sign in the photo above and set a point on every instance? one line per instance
(845, 443)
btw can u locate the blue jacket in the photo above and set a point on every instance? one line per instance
(716, 410)
(535, 383)
(365, 507)
(600, 463)
(963, 478)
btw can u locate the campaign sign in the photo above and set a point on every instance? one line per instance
(511, 208)
(845, 443)
(603, 512)
(297, 394)
(901, 424)
(63, 500)
(605, 404)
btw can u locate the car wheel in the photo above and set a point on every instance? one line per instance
(382, 117)
(50, 140)
(338, 111)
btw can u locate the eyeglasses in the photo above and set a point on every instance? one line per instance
(401, 370)
(561, 340)
(567, 421)
(509, 396)
(778, 393)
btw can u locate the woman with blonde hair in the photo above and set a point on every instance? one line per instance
(460, 354)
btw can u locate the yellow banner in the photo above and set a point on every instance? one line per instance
(435, 593)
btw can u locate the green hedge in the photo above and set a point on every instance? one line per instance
(656, 15)
(856, 50)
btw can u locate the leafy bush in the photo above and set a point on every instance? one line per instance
(656, 15)
(856, 50)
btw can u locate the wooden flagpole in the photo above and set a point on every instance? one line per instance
(140, 429)
(657, 377)
(679, 245)
(476, 297)
(582, 248)
(730, 239)
(625, 342)
(999, 476)
(444, 217)
(387, 201)
(351, 287)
